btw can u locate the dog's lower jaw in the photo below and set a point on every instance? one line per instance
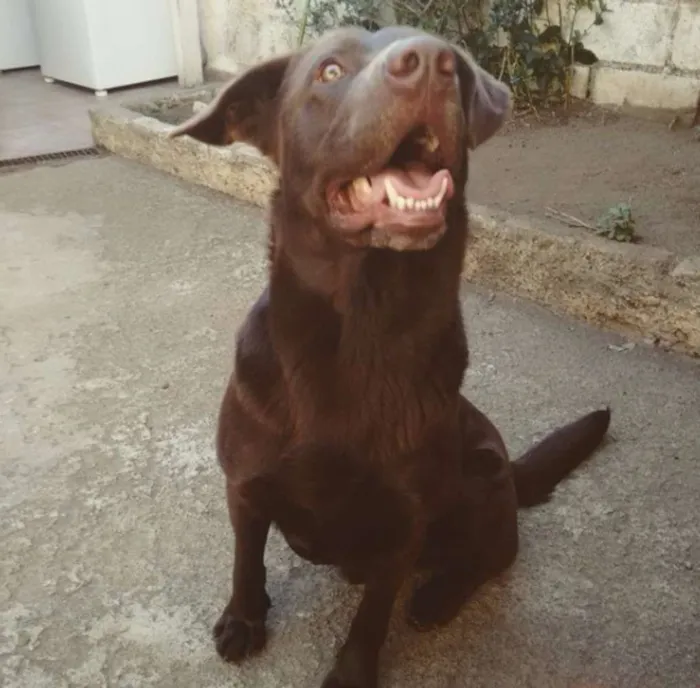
(394, 238)
(400, 241)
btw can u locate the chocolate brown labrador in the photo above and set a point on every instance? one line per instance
(343, 423)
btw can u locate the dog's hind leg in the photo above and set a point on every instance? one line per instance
(476, 546)
(478, 538)
(240, 631)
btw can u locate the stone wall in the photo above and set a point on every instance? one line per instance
(238, 33)
(649, 50)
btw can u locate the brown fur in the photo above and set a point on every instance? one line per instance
(343, 422)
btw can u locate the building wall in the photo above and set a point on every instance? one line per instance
(649, 50)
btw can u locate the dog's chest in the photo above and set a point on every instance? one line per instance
(341, 513)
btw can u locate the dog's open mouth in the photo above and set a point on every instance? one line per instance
(407, 196)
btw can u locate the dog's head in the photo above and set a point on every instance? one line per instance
(370, 131)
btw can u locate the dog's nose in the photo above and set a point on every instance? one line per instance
(412, 62)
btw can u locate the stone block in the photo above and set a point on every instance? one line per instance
(612, 86)
(686, 39)
(238, 170)
(637, 33)
(240, 33)
(599, 281)
(580, 81)
(688, 269)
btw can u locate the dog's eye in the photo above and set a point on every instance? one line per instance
(331, 71)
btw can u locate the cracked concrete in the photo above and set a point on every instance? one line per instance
(120, 291)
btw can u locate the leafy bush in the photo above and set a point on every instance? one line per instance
(518, 41)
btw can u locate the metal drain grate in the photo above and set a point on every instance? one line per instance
(51, 157)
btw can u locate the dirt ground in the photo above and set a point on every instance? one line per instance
(592, 159)
(582, 161)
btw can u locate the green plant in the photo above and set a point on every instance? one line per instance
(618, 223)
(518, 41)
(322, 15)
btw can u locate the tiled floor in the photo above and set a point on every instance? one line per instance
(38, 118)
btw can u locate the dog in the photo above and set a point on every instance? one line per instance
(343, 424)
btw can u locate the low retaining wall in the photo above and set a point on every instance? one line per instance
(635, 289)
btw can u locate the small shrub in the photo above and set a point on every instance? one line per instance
(618, 224)
(518, 41)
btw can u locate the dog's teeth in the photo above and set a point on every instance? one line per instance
(441, 196)
(362, 186)
(399, 202)
(391, 193)
(432, 143)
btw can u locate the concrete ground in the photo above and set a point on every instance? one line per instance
(37, 118)
(120, 291)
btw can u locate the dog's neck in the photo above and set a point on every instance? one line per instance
(304, 255)
(360, 331)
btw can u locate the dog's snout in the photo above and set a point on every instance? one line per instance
(412, 62)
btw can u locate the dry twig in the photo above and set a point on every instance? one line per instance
(568, 219)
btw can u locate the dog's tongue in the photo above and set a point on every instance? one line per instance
(414, 181)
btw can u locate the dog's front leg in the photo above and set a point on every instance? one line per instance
(240, 631)
(357, 662)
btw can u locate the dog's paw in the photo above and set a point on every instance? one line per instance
(438, 601)
(336, 679)
(237, 638)
(333, 681)
(352, 670)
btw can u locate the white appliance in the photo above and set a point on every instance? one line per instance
(18, 47)
(104, 44)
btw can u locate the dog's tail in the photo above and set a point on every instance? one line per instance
(537, 472)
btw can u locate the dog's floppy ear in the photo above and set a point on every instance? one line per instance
(245, 110)
(486, 100)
